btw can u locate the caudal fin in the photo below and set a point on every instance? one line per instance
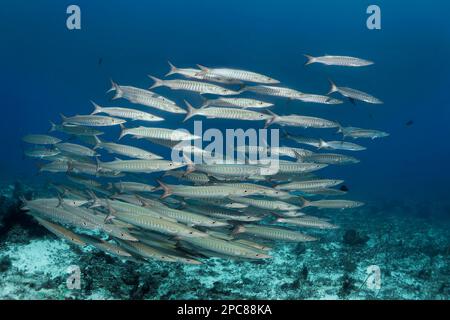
(115, 87)
(311, 59)
(165, 188)
(333, 87)
(190, 112)
(53, 127)
(158, 82)
(97, 108)
(272, 119)
(123, 131)
(238, 229)
(98, 142)
(173, 69)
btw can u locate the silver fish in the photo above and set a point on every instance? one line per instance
(158, 133)
(195, 86)
(236, 74)
(92, 120)
(356, 133)
(273, 233)
(344, 61)
(237, 102)
(126, 113)
(40, 139)
(301, 121)
(75, 149)
(145, 98)
(225, 113)
(354, 94)
(75, 130)
(125, 150)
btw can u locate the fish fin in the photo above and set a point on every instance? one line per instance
(190, 165)
(205, 102)
(190, 112)
(158, 82)
(333, 87)
(97, 143)
(306, 203)
(111, 212)
(60, 201)
(298, 156)
(270, 120)
(94, 199)
(173, 69)
(63, 117)
(97, 108)
(165, 188)
(53, 127)
(311, 59)
(123, 131)
(322, 144)
(238, 229)
(203, 68)
(118, 91)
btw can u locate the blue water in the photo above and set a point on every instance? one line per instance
(47, 69)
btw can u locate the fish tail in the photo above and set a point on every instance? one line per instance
(238, 229)
(52, 127)
(311, 59)
(165, 188)
(158, 82)
(270, 120)
(63, 117)
(115, 87)
(205, 102)
(203, 69)
(306, 203)
(97, 142)
(191, 111)
(97, 108)
(333, 87)
(173, 69)
(123, 131)
(190, 165)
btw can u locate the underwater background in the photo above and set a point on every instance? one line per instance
(47, 69)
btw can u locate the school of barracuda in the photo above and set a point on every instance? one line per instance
(224, 210)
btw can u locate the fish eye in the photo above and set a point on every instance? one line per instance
(190, 232)
(213, 222)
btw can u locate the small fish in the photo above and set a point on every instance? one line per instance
(40, 139)
(356, 133)
(332, 204)
(197, 74)
(61, 232)
(236, 74)
(195, 86)
(92, 120)
(41, 153)
(306, 222)
(140, 166)
(225, 113)
(75, 149)
(75, 130)
(126, 113)
(228, 248)
(338, 61)
(309, 184)
(354, 94)
(273, 233)
(237, 102)
(125, 150)
(267, 204)
(145, 98)
(300, 121)
(315, 98)
(158, 133)
(328, 158)
(274, 91)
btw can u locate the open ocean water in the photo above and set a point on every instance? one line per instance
(396, 246)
